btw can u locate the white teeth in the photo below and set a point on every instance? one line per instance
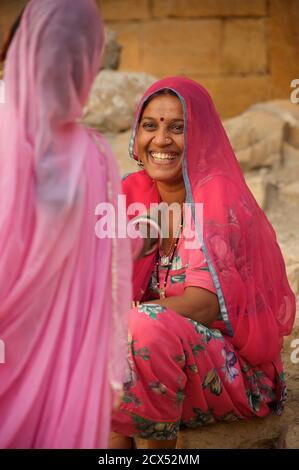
(163, 156)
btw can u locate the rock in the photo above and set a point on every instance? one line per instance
(114, 98)
(290, 249)
(257, 139)
(261, 433)
(287, 112)
(255, 433)
(293, 277)
(291, 192)
(112, 52)
(259, 187)
(292, 435)
(119, 144)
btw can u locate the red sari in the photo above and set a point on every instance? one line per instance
(180, 372)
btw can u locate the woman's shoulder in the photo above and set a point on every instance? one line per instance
(136, 180)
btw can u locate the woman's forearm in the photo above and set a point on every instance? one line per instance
(197, 304)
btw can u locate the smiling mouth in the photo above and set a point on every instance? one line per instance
(165, 158)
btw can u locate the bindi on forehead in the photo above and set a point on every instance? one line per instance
(161, 119)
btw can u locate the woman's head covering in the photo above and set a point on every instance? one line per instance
(64, 293)
(245, 261)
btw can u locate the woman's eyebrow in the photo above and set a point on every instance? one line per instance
(148, 117)
(156, 119)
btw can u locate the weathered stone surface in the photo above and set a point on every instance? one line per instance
(293, 276)
(150, 47)
(232, 95)
(114, 98)
(244, 49)
(111, 56)
(259, 186)
(287, 112)
(256, 139)
(128, 35)
(124, 10)
(195, 8)
(291, 192)
(195, 48)
(262, 433)
(283, 40)
(119, 144)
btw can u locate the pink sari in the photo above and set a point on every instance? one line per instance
(245, 261)
(63, 303)
(180, 372)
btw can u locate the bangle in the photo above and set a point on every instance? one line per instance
(135, 304)
(145, 219)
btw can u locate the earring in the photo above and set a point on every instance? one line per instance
(139, 162)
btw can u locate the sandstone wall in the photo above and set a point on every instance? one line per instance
(243, 51)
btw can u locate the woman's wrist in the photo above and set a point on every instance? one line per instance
(149, 230)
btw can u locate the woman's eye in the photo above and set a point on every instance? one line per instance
(178, 128)
(148, 125)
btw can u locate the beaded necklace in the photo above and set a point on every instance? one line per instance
(164, 260)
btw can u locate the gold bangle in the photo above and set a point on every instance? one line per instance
(135, 304)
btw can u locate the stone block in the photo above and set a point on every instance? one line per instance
(128, 35)
(115, 10)
(111, 56)
(257, 139)
(283, 40)
(244, 48)
(260, 433)
(209, 8)
(233, 95)
(180, 47)
(286, 111)
(114, 98)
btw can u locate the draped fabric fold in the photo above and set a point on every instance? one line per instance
(240, 246)
(64, 293)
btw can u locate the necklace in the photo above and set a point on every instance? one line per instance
(165, 261)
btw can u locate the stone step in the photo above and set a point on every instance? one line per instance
(261, 433)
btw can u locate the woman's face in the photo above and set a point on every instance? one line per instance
(160, 138)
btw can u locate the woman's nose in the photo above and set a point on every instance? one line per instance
(162, 138)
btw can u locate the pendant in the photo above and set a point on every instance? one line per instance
(164, 260)
(162, 293)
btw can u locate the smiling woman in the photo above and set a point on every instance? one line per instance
(205, 339)
(160, 139)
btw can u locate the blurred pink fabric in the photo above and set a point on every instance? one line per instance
(64, 293)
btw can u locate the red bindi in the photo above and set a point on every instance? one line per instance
(162, 119)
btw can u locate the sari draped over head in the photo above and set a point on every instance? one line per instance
(64, 293)
(256, 303)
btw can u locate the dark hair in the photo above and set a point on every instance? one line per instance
(164, 91)
(12, 32)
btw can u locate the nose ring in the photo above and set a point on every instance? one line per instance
(167, 140)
